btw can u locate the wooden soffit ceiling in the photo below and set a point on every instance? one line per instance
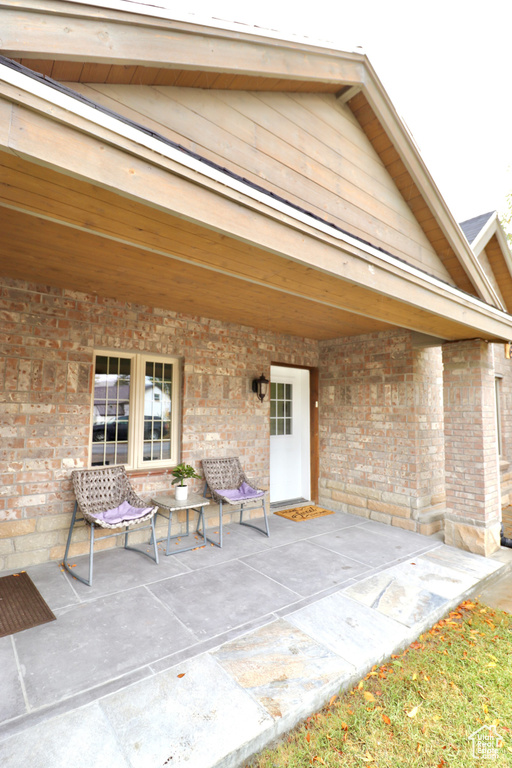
(62, 231)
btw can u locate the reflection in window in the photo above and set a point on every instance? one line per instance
(157, 411)
(111, 409)
(133, 421)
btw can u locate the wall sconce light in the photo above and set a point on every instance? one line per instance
(260, 387)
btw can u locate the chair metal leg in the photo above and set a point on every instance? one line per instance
(152, 540)
(91, 555)
(91, 551)
(72, 524)
(153, 535)
(256, 527)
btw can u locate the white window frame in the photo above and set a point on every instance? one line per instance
(136, 408)
(499, 425)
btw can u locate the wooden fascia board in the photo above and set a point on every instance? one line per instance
(503, 243)
(127, 39)
(157, 182)
(493, 228)
(404, 145)
(484, 235)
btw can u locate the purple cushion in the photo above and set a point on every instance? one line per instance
(240, 494)
(123, 512)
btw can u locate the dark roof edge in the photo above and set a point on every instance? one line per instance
(473, 227)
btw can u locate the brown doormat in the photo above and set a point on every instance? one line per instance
(21, 605)
(304, 513)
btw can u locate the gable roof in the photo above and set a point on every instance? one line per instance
(129, 43)
(247, 185)
(472, 227)
(488, 242)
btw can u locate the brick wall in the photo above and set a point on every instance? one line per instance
(503, 368)
(381, 427)
(48, 336)
(472, 473)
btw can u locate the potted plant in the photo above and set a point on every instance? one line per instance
(180, 473)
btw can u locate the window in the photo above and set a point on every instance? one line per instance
(135, 410)
(499, 437)
(280, 409)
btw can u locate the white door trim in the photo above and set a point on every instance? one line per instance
(290, 458)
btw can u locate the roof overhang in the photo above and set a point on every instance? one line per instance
(133, 43)
(493, 241)
(492, 228)
(81, 183)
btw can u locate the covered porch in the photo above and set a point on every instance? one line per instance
(120, 243)
(209, 656)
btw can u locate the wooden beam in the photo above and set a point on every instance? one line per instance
(348, 93)
(126, 39)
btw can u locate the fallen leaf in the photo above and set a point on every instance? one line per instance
(182, 674)
(414, 711)
(308, 737)
(368, 696)
(333, 699)
(386, 719)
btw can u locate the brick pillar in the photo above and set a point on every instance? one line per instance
(472, 471)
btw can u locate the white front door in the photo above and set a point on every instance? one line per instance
(289, 434)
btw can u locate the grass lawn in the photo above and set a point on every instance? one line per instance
(420, 708)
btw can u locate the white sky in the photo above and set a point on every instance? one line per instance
(444, 63)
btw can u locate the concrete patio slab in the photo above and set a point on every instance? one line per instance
(305, 567)
(82, 738)
(367, 546)
(351, 630)
(12, 701)
(391, 594)
(285, 669)
(220, 654)
(194, 714)
(114, 573)
(94, 642)
(212, 600)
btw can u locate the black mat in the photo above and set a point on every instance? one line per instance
(21, 605)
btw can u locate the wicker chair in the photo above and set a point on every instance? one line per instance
(224, 474)
(99, 490)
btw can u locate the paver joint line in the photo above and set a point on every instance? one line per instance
(276, 666)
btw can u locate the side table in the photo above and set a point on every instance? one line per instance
(167, 502)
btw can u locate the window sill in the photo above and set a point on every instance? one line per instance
(149, 472)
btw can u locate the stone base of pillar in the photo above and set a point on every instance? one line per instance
(473, 538)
